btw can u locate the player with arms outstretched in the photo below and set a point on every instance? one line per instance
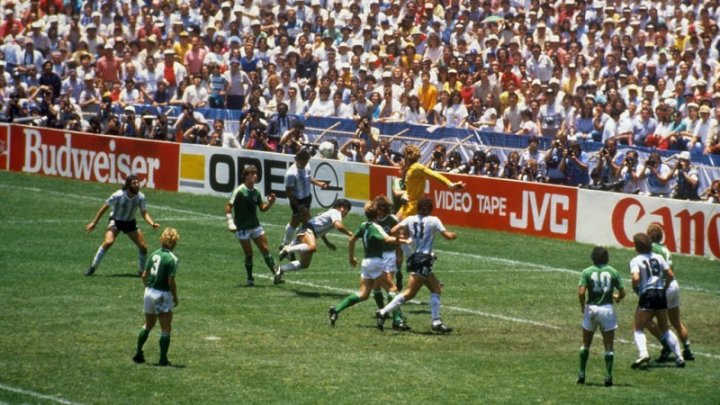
(123, 205)
(244, 202)
(598, 282)
(160, 295)
(421, 228)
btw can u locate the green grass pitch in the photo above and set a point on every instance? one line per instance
(512, 300)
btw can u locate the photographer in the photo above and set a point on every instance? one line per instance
(197, 134)
(575, 165)
(492, 165)
(629, 174)
(658, 176)
(47, 111)
(355, 150)
(160, 129)
(383, 155)
(252, 122)
(15, 109)
(454, 163)
(511, 169)
(532, 152)
(553, 157)
(146, 126)
(293, 139)
(370, 135)
(130, 124)
(605, 173)
(712, 194)
(531, 172)
(437, 159)
(686, 179)
(258, 139)
(477, 163)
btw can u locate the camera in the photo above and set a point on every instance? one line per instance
(604, 152)
(437, 154)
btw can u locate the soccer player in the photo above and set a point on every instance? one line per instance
(600, 280)
(374, 241)
(421, 228)
(123, 205)
(655, 232)
(392, 263)
(415, 176)
(160, 295)
(305, 243)
(651, 276)
(244, 202)
(298, 180)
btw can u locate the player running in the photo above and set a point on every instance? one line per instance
(374, 240)
(421, 228)
(244, 202)
(123, 205)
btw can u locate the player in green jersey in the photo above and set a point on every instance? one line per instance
(244, 202)
(656, 234)
(160, 295)
(374, 240)
(599, 282)
(392, 258)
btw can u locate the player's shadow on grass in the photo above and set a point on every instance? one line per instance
(315, 294)
(171, 366)
(124, 275)
(602, 385)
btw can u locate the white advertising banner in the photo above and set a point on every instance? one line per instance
(212, 170)
(691, 228)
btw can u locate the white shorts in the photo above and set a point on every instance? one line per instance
(672, 295)
(599, 315)
(246, 234)
(389, 262)
(157, 301)
(372, 268)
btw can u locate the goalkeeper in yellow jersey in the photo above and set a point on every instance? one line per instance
(415, 175)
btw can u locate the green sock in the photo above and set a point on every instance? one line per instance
(164, 346)
(397, 313)
(349, 301)
(584, 355)
(142, 338)
(609, 357)
(378, 296)
(249, 267)
(270, 262)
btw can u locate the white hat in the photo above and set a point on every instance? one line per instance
(650, 89)
(130, 109)
(684, 155)
(88, 76)
(387, 75)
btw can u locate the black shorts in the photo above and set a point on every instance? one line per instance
(124, 226)
(420, 264)
(302, 202)
(653, 300)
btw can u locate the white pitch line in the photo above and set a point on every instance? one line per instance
(37, 395)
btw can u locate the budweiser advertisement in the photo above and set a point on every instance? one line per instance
(503, 205)
(96, 158)
(691, 228)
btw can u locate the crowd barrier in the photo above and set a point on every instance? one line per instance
(535, 209)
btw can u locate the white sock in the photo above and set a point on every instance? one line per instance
(98, 257)
(435, 306)
(142, 259)
(289, 233)
(393, 305)
(292, 266)
(300, 247)
(641, 343)
(672, 341)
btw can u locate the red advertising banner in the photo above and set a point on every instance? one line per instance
(504, 205)
(96, 158)
(4, 147)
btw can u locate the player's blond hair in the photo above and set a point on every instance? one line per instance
(371, 210)
(411, 154)
(169, 238)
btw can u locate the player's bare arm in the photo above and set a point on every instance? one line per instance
(146, 216)
(89, 227)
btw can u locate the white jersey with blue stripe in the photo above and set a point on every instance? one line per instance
(422, 230)
(652, 269)
(124, 208)
(298, 180)
(325, 222)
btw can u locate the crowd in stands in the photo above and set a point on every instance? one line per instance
(621, 72)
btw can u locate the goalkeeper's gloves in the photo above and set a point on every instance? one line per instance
(230, 223)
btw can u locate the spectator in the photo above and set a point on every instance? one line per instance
(511, 168)
(355, 150)
(702, 131)
(686, 179)
(712, 193)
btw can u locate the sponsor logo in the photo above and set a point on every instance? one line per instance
(536, 212)
(695, 230)
(326, 197)
(63, 159)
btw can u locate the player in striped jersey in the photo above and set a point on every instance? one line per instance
(305, 243)
(421, 228)
(123, 205)
(599, 282)
(374, 240)
(160, 295)
(651, 276)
